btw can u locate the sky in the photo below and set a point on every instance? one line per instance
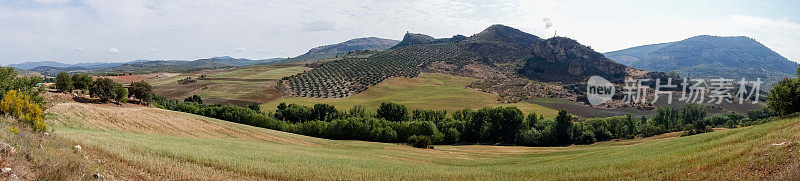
(74, 31)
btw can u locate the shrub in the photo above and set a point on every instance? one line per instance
(20, 106)
(419, 141)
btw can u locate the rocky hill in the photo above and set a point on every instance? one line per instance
(710, 56)
(329, 51)
(512, 63)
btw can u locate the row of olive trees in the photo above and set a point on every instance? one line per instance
(104, 88)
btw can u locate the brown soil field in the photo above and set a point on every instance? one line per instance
(127, 79)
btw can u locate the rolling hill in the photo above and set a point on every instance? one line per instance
(91, 65)
(507, 61)
(129, 142)
(329, 51)
(709, 56)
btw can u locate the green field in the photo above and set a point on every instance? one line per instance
(164, 144)
(428, 91)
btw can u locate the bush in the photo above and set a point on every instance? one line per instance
(20, 106)
(419, 141)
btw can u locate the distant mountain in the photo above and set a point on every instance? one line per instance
(330, 51)
(52, 64)
(147, 66)
(414, 39)
(96, 65)
(53, 71)
(31, 65)
(709, 56)
(514, 64)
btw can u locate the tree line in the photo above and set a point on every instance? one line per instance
(104, 88)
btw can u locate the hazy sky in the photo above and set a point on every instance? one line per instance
(73, 31)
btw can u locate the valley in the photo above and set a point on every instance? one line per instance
(399, 90)
(121, 139)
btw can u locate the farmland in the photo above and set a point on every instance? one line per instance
(240, 86)
(427, 91)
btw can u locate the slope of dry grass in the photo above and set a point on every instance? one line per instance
(173, 145)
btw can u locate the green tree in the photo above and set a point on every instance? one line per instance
(282, 106)
(784, 97)
(9, 80)
(324, 112)
(563, 128)
(64, 83)
(120, 93)
(81, 81)
(358, 111)
(254, 106)
(142, 91)
(194, 98)
(393, 112)
(695, 114)
(106, 90)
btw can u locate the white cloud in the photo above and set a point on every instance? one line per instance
(188, 29)
(319, 26)
(113, 50)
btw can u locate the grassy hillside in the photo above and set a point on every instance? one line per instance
(141, 142)
(428, 91)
